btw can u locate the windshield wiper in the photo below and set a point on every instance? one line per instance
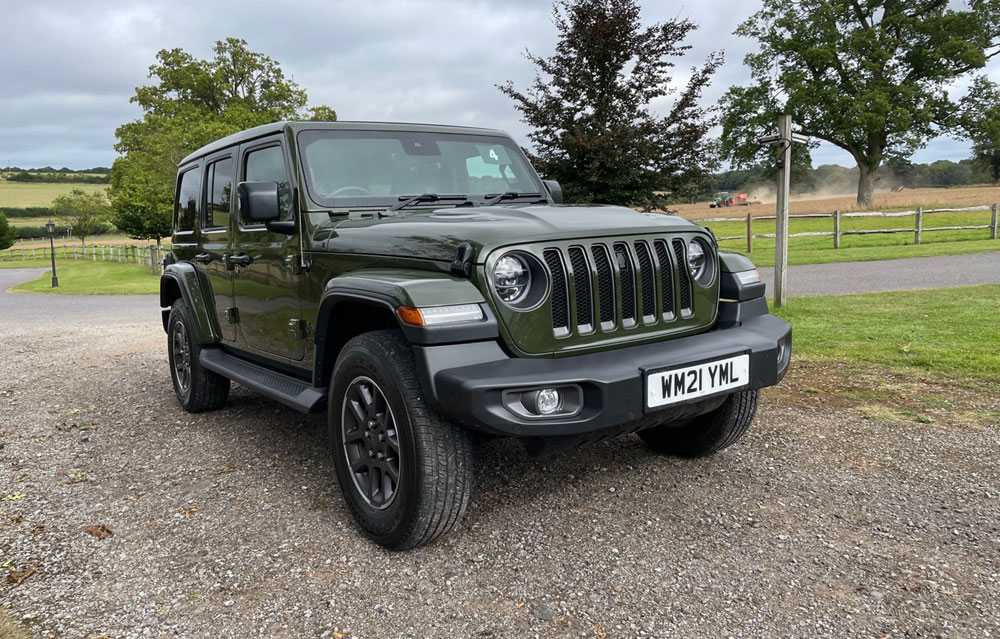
(509, 195)
(406, 200)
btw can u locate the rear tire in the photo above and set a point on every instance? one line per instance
(708, 433)
(198, 389)
(405, 472)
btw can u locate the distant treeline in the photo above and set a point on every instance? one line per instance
(58, 177)
(49, 169)
(32, 211)
(833, 178)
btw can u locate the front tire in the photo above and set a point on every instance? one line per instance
(708, 433)
(198, 389)
(406, 474)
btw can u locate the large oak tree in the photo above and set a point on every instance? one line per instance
(589, 106)
(191, 103)
(868, 76)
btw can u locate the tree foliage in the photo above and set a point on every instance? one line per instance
(191, 103)
(869, 76)
(979, 119)
(7, 233)
(589, 106)
(86, 212)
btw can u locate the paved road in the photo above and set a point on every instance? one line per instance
(892, 275)
(63, 310)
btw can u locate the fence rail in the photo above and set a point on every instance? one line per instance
(151, 255)
(918, 228)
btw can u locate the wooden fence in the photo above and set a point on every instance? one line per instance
(918, 228)
(151, 256)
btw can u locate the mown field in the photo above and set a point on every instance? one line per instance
(24, 195)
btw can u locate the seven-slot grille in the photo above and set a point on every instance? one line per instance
(618, 284)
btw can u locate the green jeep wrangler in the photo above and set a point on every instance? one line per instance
(423, 285)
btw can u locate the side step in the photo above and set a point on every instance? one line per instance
(288, 390)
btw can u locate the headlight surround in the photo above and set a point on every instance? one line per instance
(511, 278)
(699, 263)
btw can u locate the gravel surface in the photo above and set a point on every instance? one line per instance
(890, 275)
(821, 522)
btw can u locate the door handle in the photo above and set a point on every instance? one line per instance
(240, 260)
(204, 258)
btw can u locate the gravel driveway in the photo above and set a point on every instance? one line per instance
(821, 522)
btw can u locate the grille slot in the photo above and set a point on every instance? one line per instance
(626, 271)
(605, 284)
(666, 280)
(582, 289)
(560, 293)
(648, 284)
(683, 277)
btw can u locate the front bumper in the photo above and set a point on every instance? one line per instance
(465, 382)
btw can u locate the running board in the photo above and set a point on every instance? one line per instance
(286, 389)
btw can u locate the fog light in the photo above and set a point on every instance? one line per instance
(548, 401)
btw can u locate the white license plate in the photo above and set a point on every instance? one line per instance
(690, 382)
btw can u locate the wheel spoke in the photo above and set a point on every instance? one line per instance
(370, 442)
(359, 413)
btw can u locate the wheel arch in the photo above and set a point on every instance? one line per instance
(183, 281)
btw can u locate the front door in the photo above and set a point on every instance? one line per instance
(216, 234)
(266, 290)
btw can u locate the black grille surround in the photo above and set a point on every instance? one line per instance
(613, 290)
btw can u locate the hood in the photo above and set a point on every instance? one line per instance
(435, 234)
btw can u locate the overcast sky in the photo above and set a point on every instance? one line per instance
(69, 68)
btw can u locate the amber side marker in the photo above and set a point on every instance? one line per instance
(410, 315)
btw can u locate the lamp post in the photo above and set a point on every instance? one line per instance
(51, 228)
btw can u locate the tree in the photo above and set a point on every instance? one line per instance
(191, 103)
(868, 76)
(979, 120)
(7, 233)
(589, 106)
(86, 212)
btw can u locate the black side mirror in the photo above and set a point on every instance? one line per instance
(259, 201)
(555, 191)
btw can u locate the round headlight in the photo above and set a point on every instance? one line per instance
(697, 260)
(511, 278)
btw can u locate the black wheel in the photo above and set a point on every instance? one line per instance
(406, 474)
(198, 389)
(708, 433)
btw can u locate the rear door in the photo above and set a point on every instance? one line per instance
(266, 291)
(217, 236)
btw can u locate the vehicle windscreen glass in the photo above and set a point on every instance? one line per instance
(377, 168)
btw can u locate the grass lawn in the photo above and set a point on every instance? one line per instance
(89, 278)
(27, 194)
(950, 332)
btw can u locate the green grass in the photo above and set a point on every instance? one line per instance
(90, 278)
(28, 194)
(863, 248)
(950, 332)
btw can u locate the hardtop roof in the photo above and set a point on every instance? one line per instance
(295, 126)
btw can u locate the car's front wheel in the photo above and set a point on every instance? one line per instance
(708, 433)
(406, 474)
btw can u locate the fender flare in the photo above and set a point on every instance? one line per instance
(182, 279)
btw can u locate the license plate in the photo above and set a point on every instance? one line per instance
(684, 384)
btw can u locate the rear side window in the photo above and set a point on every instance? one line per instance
(188, 202)
(219, 193)
(268, 165)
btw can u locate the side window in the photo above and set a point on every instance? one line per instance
(219, 193)
(268, 165)
(188, 200)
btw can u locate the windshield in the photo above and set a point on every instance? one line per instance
(377, 168)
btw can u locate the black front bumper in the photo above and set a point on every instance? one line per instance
(465, 382)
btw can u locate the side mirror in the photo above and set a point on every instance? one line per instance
(259, 201)
(554, 190)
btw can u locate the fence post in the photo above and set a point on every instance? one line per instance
(993, 222)
(918, 226)
(749, 232)
(836, 229)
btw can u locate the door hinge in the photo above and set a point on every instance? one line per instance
(300, 328)
(297, 266)
(233, 315)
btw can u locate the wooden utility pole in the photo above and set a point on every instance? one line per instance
(781, 230)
